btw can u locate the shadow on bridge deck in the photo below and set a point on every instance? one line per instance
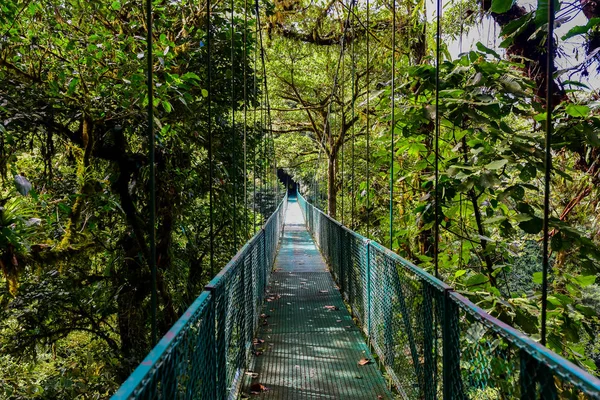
(311, 346)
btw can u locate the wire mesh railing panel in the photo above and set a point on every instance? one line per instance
(403, 329)
(432, 341)
(203, 356)
(497, 361)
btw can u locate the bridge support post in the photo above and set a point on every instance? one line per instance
(453, 386)
(430, 331)
(368, 268)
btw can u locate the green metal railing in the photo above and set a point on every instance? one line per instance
(432, 341)
(203, 356)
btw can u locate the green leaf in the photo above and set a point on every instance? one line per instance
(476, 279)
(538, 278)
(167, 106)
(581, 29)
(460, 273)
(72, 86)
(487, 50)
(577, 111)
(532, 226)
(204, 93)
(116, 5)
(585, 280)
(585, 310)
(541, 13)
(497, 164)
(501, 6)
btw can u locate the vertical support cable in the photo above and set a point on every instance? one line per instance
(233, 133)
(245, 39)
(151, 151)
(353, 61)
(393, 124)
(436, 226)
(342, 129)
(367, 132)
(209, 132)
(547, 164)
(254, 130)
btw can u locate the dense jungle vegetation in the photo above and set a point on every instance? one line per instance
(74, 180)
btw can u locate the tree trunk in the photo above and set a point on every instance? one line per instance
(331, 186)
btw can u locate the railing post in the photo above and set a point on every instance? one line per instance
(342, 276)
(429, 384)
(209, 386)
(220, 373)
(368, 245)
(453, 387)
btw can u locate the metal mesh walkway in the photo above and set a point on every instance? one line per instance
(308, 346)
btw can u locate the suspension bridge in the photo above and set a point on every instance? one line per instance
(351, 320)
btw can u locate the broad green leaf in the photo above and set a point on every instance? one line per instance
(581, 29)
(585, 280)
(541, 13)
(476, 279)
(497, 164)
(167, 106)
(532, 226)
(485, 49)
(116, 5)
(577, 111)
(204, 93)
(501, 6)
(538, 278)
(460, 273)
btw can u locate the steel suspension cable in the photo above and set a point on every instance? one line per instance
(254, 130)
(152, 172)
(342, 130)
(233, 132)
(353, 61)
(393, 124)
(210, 140)
(245, 39)
(548, 166)
(436, 226)
(367, 127)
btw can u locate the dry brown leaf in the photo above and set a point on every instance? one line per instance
(257, 388)
(364, 361)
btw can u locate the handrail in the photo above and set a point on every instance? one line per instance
(408, 315)
(205, 351)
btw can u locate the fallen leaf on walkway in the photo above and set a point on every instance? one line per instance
(252, 375)
(364, 361)
(332, 308)
(339, 320)
(257, 388)
(323, 291)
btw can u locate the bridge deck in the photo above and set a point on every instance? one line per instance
(311, 347)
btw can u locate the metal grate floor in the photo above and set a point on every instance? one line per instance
(307, 346)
